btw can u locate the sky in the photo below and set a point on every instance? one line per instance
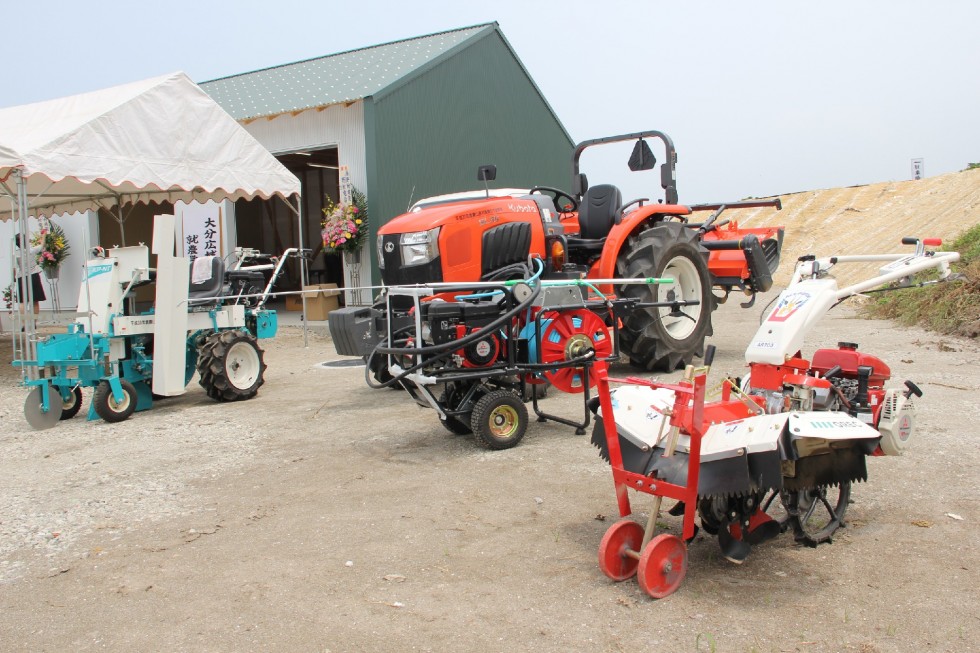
(759, 97)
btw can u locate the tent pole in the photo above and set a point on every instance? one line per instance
(26, 342)
(119, 219)
(303, 279)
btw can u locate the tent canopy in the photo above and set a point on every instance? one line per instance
(161, 139)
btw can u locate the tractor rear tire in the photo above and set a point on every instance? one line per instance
(499, 419)
(654, 338)
(108, 408)
(231, 366)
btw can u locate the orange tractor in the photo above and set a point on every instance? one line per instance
(590, 232)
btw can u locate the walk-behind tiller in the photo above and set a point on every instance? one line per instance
(779, 450)
(476, 352)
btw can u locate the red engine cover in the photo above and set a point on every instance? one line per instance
(849, 358)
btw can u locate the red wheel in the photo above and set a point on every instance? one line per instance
(569, 336)
(663, 564)
(613, 560)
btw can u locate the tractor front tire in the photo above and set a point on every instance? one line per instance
(499, 419)
(108, 408)
(231, 366)
(662, 338)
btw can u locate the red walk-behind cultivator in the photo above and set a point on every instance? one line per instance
(781, 447)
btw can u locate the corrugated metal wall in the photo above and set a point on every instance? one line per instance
(336, 126)
(429, 136)
(340, 126)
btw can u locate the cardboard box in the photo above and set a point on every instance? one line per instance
(294, 303)
(320, 300)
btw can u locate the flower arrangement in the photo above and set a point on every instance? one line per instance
(8, 296)
(345, 226)
(54, 246)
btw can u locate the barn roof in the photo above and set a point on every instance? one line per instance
(335, 78)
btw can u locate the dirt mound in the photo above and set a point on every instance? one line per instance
(869, 219)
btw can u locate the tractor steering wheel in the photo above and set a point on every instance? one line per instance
(556, 193)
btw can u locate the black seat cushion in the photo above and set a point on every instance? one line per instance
(599, 211)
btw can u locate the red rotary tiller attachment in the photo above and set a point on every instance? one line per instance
(627, 548)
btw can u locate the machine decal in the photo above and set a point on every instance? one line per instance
(96, 270)
(788, 305)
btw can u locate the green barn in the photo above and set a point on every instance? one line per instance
(403, 120)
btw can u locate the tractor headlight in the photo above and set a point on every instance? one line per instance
(381, 256)
(420, 247)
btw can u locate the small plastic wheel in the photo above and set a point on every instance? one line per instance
(613, 561)
(499, 419)
(72, 404)
(108, 408)
(663, 565)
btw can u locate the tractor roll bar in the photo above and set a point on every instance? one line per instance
(668, 175)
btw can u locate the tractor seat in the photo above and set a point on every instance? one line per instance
(598, 211)
(207, 277)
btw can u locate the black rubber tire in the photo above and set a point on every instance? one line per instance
(231, 366)
(650, 337)
(73, 404)
(378, 365)
(107, 408)
(453, 424)
(499, 420)
(814, 519)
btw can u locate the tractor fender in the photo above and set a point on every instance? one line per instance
(631, 223)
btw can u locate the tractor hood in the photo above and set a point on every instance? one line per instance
(456, 207)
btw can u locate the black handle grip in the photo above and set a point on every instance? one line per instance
(709, 355)
(910, 240)
(912, 390)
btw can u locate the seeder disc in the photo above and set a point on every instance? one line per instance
(35, 414)
(613, 561)
(663, 565)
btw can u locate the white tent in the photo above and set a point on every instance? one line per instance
(161, 139)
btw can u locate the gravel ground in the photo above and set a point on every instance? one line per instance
(326, 516)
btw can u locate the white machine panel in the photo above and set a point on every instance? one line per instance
(170, 326)
(797, 308)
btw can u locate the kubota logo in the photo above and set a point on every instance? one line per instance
(788, 305)
(389, 247)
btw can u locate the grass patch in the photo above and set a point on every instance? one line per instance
(948, 308)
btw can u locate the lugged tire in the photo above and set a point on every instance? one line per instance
(651, 338)
(231, 366)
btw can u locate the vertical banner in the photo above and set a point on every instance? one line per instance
(346, 185)
(918, 168)
(200, 228)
